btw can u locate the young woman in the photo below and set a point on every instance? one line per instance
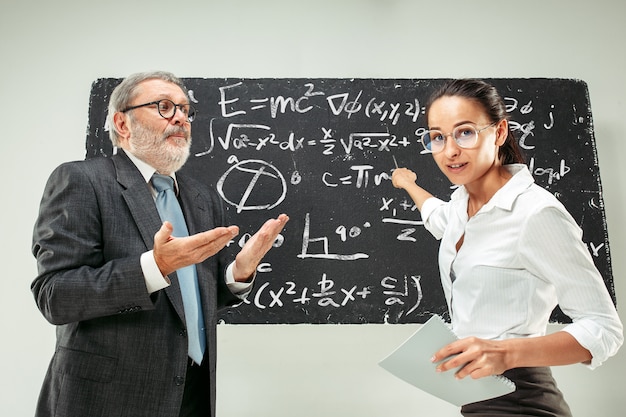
(509, 253)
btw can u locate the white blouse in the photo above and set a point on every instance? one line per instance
(522, 254)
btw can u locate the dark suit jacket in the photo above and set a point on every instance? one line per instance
(119, 350)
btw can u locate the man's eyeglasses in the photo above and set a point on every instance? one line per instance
(465, 136)
(167, 109)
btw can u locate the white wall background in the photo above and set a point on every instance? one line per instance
(51, 51)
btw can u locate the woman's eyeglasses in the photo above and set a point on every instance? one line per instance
(465, 136)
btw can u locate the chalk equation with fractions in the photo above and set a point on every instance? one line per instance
(323, 151)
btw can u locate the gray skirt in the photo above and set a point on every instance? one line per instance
(536, 394)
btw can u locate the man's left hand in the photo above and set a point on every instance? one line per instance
(256, 247)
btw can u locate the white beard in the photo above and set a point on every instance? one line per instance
(155, 149)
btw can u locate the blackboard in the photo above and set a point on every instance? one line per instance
(322, 151)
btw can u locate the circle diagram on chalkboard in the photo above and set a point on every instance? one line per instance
(252, 184)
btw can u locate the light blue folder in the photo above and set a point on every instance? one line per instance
(411, 363)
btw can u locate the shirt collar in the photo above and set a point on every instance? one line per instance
(147, 171)
(505, 197)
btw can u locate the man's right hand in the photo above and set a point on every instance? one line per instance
(172, 253)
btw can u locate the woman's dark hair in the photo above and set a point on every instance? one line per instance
(487, 96)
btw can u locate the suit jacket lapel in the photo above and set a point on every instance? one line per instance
(197, 211)
(141, 205)
(194, 205)
(138, 198)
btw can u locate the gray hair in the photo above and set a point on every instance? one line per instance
(126, 91)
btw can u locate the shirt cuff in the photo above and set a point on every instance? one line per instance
(155, 281)
(240, 289)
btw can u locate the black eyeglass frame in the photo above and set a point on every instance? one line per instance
(191, 114)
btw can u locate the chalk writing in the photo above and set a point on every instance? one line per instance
(251, 171)
(551, 173)
(325, 253)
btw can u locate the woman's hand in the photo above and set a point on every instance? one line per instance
(403, 178)
(477, 357)
(480, 357)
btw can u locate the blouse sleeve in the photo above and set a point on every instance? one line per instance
(552, 247)
(434, 216)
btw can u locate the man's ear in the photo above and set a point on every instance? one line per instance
(121, 126)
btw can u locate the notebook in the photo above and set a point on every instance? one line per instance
(411, 363)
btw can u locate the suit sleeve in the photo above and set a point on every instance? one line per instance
(81, 274)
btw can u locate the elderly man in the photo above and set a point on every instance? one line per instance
(132, 286)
